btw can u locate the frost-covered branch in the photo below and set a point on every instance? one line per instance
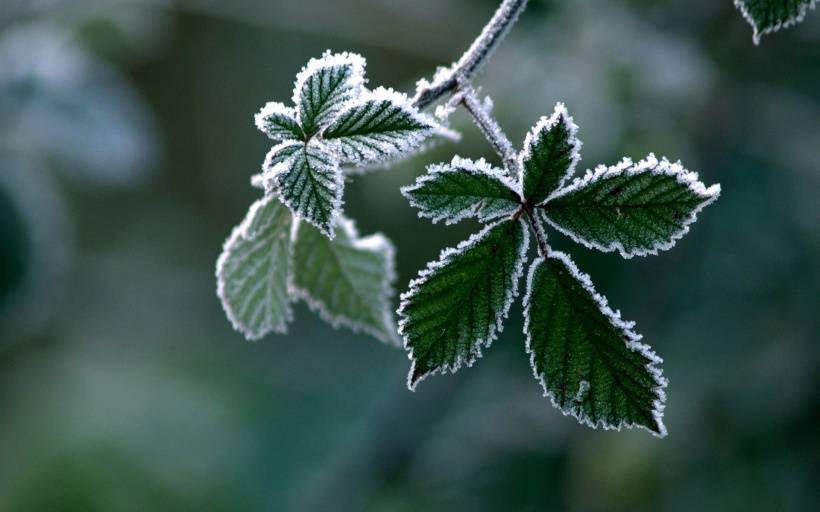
(490, 128)
(447, 80)
(540, 236)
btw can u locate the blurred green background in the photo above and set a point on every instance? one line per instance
(126, 148)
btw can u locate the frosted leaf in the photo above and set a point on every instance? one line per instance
(276, 157)
(589, 361)
(456, 307)
(324, 86)
(551, 152)
(347, 280)
(253, 271)
(636, 209)
(463, 189)
(767, 16)
(381, 126)
(278, 122)
(311, 184)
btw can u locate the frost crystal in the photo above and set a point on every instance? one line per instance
(278, 122)
(456, 307)
(381, 125)
(252, 272)
(768, 16)
(636, 209)
(463, 189)
(347, 281)
(589, 361)
(551, 152)
(324, 86)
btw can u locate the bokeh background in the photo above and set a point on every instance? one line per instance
(126, 147)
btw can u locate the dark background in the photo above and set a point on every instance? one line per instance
(126, 147)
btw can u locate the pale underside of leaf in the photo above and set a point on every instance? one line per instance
(636, 209)
(347, 280)
(551, 152)
(278, 122)
(382, 126)
(325, 86)
(463, 189)
(768, 16)
(311, 184)
(456, 307)
(589, 361)
(252, 272)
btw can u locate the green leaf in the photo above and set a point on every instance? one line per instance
(279, 122)
(551, 152)
(252, 272)
(463, 189)
(347, 280)
(636, 209)
(590, 362)
(278, 155)
(382, 126)
(767, 16)
(311, 184)
(324, 86)
(458, 304)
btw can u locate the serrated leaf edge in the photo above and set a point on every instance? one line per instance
(329, 59)
(633, 343)
(264, 180)
(338, 196)
(273, 108)
(243, 230)
(465, 165)
(788, 22)
(545, 124)
(402, 102)
(626, 166)
(443, 259)
(373, 243)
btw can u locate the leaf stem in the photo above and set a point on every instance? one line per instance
(543, 247)
(491, 130)
(447, 80)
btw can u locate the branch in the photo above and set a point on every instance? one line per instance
(447, 80)
(543, 248)
(491, 130)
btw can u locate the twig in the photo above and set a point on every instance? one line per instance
(447, 80)
(543, 248)
(491, 130)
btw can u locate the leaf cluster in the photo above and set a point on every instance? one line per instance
(589, 361)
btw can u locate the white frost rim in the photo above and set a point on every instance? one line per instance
(788, 22)
(495, 329)
(632, 342)
(626, 166)
(460, 165)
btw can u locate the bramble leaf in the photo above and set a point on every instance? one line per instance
(590, 362)
(457, 305)
(278, 122)
(252, 272)
(324, 86)
(381, 126)
(463, 189)
(311, 184)
(767, 16)
(551, 152)
(278, 155)
(636, 209)
(347, 280)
